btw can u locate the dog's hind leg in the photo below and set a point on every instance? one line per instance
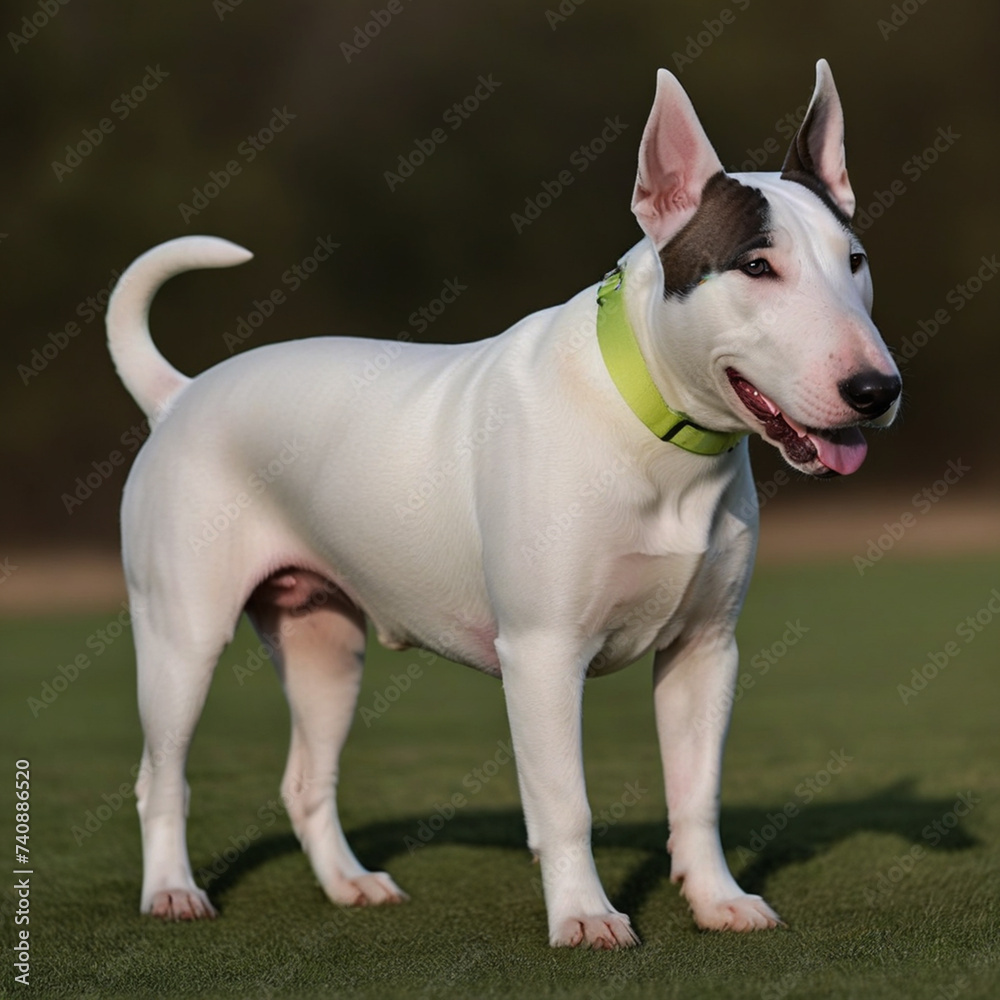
(174, 672)
(317, 638)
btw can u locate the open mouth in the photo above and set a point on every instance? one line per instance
(819, 452)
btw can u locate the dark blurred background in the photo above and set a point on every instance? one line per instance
(176, 91)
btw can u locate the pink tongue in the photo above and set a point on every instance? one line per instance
(843, 455)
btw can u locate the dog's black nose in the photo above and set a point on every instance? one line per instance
(870, 393)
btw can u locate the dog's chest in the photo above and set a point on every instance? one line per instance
(685, 577)
(648, 602)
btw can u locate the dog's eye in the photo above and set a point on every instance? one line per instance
(756, 268)
(857, 259)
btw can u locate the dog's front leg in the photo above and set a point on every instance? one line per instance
(543, 685)
(693, 691)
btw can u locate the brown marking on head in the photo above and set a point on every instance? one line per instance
(731, 219)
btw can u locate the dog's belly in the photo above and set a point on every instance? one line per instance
(461, 640)
(624, 647)
(468, 636)
(469, 644)
(460, 636)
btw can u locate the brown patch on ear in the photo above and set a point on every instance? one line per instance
(730, 217)
(798, 159)
(800, 168)
(815, 157)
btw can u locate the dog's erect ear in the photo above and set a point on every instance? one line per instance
(817, 151)
(675, 161)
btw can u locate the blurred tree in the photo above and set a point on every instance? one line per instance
(116, 118)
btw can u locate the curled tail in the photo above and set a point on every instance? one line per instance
(147, 375)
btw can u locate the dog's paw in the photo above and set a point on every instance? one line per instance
(371, 889)
(605, 932)
(181, 904)
(741, 913)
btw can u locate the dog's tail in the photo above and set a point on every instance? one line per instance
(147, 375)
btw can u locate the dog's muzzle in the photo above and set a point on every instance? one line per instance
(815, 451)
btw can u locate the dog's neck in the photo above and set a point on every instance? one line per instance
(679, 379)
(629, 371)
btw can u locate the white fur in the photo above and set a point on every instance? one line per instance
(425, 481)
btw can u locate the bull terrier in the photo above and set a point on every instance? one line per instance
(446, 495)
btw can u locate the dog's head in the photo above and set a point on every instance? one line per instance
(764, 318)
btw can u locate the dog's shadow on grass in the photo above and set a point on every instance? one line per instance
(931, 824)
(758, 835)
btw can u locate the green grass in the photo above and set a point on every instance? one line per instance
(475, 926)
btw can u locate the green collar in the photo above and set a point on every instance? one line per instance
(628, 371)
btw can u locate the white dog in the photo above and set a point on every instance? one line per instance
(448, 497)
